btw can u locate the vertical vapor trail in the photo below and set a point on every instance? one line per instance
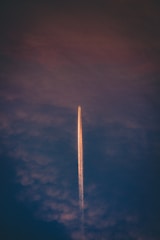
(80, 168)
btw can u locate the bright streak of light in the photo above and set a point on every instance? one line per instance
(80, 169)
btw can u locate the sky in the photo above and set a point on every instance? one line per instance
(103, 56)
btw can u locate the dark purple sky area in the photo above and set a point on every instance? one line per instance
(104, 56)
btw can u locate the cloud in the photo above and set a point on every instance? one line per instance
(50, 180)
(46, 168)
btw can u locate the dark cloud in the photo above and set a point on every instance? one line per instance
(119, 175)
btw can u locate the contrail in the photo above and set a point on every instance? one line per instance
(80, 169)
